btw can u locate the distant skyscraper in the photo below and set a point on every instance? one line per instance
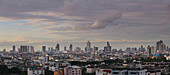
(23, 49)
(13, 48)
(160, 46)
(95, 49)
(149, 51)
(78, 49)
(52, 48)
(44, 48)
(105, 49)
(71, 47)
(108, 47)
(31, 49)
(142, 49)
(58, 47)
(128, 50)
(65, 48)
(49, 49)
(26, 49)
(88, 48)
(153, 49)
(4, 50)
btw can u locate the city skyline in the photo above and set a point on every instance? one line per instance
(87, 46)
(122, 23)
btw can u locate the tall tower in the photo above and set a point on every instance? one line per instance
(43, 48)
(32, 49)
(88, 47)
(160, 46)
(149, 51)
(13, 48)
(108, 47)
(58, 47)
(65, 48)
(71, 47)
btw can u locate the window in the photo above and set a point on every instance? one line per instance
(133, 73)
(115, 72)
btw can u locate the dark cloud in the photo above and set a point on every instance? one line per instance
(134, 16)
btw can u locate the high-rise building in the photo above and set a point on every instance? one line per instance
(13, 48)
(153, 49)
(65, 48)
(44, 48)
(88, 48)
(31, 49)
(26, 49)
(142, 49)
(95, 49)
(4, 50)
(128, 50)
(108, 47)
(71, 47)
(49, 49)
(58, 47)
(77, 49)
(149, 51)
(160, 46)
(23, 49)
(105, 49)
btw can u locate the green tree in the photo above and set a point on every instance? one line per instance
(3, 69)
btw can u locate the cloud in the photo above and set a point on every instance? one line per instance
(102, 21)
(107, 19)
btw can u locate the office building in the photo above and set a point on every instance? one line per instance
(44, 48)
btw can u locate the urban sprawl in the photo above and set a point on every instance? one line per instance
(150, 60)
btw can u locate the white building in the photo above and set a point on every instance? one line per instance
(168, 58)
(137, 72)
(119, 72)
(72, 70)
(35, 71)
(153, 73)
(104, 72)
(54, 67)
(90, 70)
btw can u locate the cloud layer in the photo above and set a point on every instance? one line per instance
(89, 19)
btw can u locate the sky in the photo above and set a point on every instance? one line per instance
(124, 23)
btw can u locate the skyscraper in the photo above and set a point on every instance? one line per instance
(71, 47)
(43, 48)
(95, 49)
(108, 47)
(65, 48)
(149, 51)
(58, 47)
(88, 48)
(13, 48)
(160, 46)
(32, 49)
(25, 49)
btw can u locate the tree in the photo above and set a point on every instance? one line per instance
(15, 70)
(48, 72)
(3, 69)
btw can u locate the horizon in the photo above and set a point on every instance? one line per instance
(82, 45)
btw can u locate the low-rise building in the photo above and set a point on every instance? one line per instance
(35, 71)
(153, 73)
(72, 70)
